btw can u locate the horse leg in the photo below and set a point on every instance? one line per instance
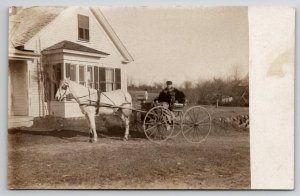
(126, 121)
(91, 117)
(89, 124)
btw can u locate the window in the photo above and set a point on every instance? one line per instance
(81, 75)
(109, 82)
(71, 71)
(100, 78)
(109, 79)
(89, 75)
(83, 28)
(56, 77)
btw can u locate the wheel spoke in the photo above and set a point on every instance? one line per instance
(156, 115)
(208, 123)
(203, 120)
(194, 133)
(157, 131)
(153, 119)
(194, 114)
(150, 128)
(152, 133)
(198, 132)
(191, 118)
(186, 131)
(188, 119)
(150, 123)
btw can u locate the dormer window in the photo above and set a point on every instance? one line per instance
(83, 28)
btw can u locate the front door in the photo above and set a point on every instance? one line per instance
(18, 91)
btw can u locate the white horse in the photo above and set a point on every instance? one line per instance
(93, 102)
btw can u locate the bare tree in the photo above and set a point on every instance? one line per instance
(187, 85)
(235, 72)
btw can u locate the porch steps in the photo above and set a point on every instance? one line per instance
(20, 121)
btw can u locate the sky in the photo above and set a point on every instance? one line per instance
(182, 44)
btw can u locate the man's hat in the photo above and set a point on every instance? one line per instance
(169, 82)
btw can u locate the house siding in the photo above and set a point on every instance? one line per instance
(58, 30)
(35, 90)
(17, 85)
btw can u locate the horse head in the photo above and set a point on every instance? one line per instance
(63, 90)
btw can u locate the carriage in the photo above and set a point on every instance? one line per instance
(160, 122)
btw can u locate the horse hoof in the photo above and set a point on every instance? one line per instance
(92, 140)
(91, 135)
(125, 139)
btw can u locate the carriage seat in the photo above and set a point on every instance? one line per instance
(177, 107)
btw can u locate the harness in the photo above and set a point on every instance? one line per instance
(98, 101)
(98, 105)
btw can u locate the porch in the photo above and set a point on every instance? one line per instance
(20, 121)
(80, 64)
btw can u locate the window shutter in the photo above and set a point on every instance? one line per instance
(118, 78)
(118, 75)
(96, 78)
(102, 74)
(102, 79)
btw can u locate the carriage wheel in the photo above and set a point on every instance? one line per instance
(196, 124)
(158, 124)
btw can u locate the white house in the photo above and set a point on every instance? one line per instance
(48, 44)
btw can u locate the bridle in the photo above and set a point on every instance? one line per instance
(64, 87)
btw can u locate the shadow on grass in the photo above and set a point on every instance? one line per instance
(54, 133)
(113, 132)
(117, 131)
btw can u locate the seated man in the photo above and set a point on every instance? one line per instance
(170, 96)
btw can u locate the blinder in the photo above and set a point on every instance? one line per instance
(65, 87)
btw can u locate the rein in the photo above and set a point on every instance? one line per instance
(63, 96)
(97, 103)
(88, 94)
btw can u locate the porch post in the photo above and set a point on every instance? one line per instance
(63, 70)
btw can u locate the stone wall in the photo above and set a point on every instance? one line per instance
(238, 121)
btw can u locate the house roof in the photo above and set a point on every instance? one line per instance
(73, 46)
(29, 21)
(112, 34)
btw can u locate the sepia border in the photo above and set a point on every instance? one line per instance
(273, 116)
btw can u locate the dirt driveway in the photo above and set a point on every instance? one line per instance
(64, 159)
